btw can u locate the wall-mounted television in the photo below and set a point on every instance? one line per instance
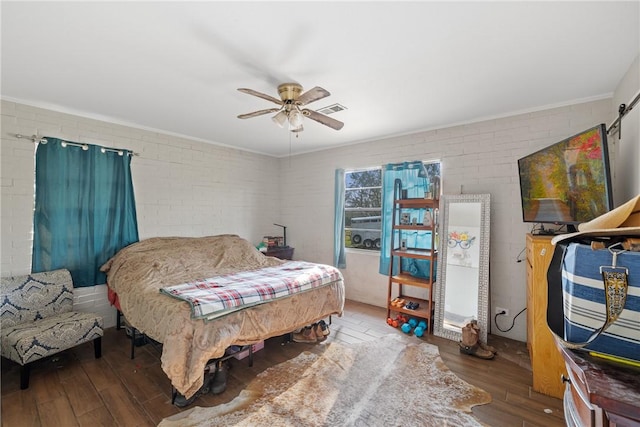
(569, 182)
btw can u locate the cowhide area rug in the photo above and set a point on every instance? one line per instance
(393, 381)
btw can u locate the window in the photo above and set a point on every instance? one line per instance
(362, 208)
(363, 205)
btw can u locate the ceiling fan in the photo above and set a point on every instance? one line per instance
(290, 102)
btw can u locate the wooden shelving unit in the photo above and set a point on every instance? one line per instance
(402, 278)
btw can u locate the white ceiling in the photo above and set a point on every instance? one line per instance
(398, 67)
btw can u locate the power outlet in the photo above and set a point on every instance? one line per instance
(500, 310)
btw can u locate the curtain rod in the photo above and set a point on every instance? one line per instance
(623, 109)
(36, 138)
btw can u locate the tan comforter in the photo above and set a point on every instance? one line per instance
(137, 273)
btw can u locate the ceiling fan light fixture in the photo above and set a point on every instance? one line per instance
(289, 91)
(290, 104)
(280, 119)
(295, 119)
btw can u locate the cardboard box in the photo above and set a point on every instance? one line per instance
(245, 353)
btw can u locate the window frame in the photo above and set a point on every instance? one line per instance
(375, 249)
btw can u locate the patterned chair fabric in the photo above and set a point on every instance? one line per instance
(37, 319)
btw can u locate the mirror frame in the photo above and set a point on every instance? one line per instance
(483, 277)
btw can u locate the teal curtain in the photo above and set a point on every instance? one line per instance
(339, 257)
(413, 176)
(84, 208)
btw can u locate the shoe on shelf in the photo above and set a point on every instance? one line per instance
(306, 335)
(394, 302)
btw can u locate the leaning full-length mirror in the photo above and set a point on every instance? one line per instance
(462, 289)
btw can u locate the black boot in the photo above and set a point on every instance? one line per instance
(219, 383)
(181, 401)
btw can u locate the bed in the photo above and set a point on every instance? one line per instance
(141, 276)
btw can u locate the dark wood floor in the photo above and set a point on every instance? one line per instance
(74, 389)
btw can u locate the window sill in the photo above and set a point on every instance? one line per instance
(362, 251)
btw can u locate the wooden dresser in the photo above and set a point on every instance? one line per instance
(600, 392)
(546, 361)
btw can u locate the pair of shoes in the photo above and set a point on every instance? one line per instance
(412, 305)
(306, 335)
(475, 350)
(181, 401)
(214, 382)
(474, 324)
(470, 344)
(317, 332)
(397, 302)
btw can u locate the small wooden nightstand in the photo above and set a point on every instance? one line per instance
(282, 252)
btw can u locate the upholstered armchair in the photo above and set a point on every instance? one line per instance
(37, 319)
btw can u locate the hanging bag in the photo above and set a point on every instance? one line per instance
(594, 285)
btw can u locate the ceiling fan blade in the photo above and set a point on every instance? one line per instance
(321, 118)
(312, 95)
(258, 113)
(260, 95)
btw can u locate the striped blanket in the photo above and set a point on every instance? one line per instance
(220, 295)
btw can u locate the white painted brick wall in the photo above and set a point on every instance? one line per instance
(182, 187)
(186, 187)
(479, 158)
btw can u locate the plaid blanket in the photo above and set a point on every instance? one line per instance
(220, 295)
